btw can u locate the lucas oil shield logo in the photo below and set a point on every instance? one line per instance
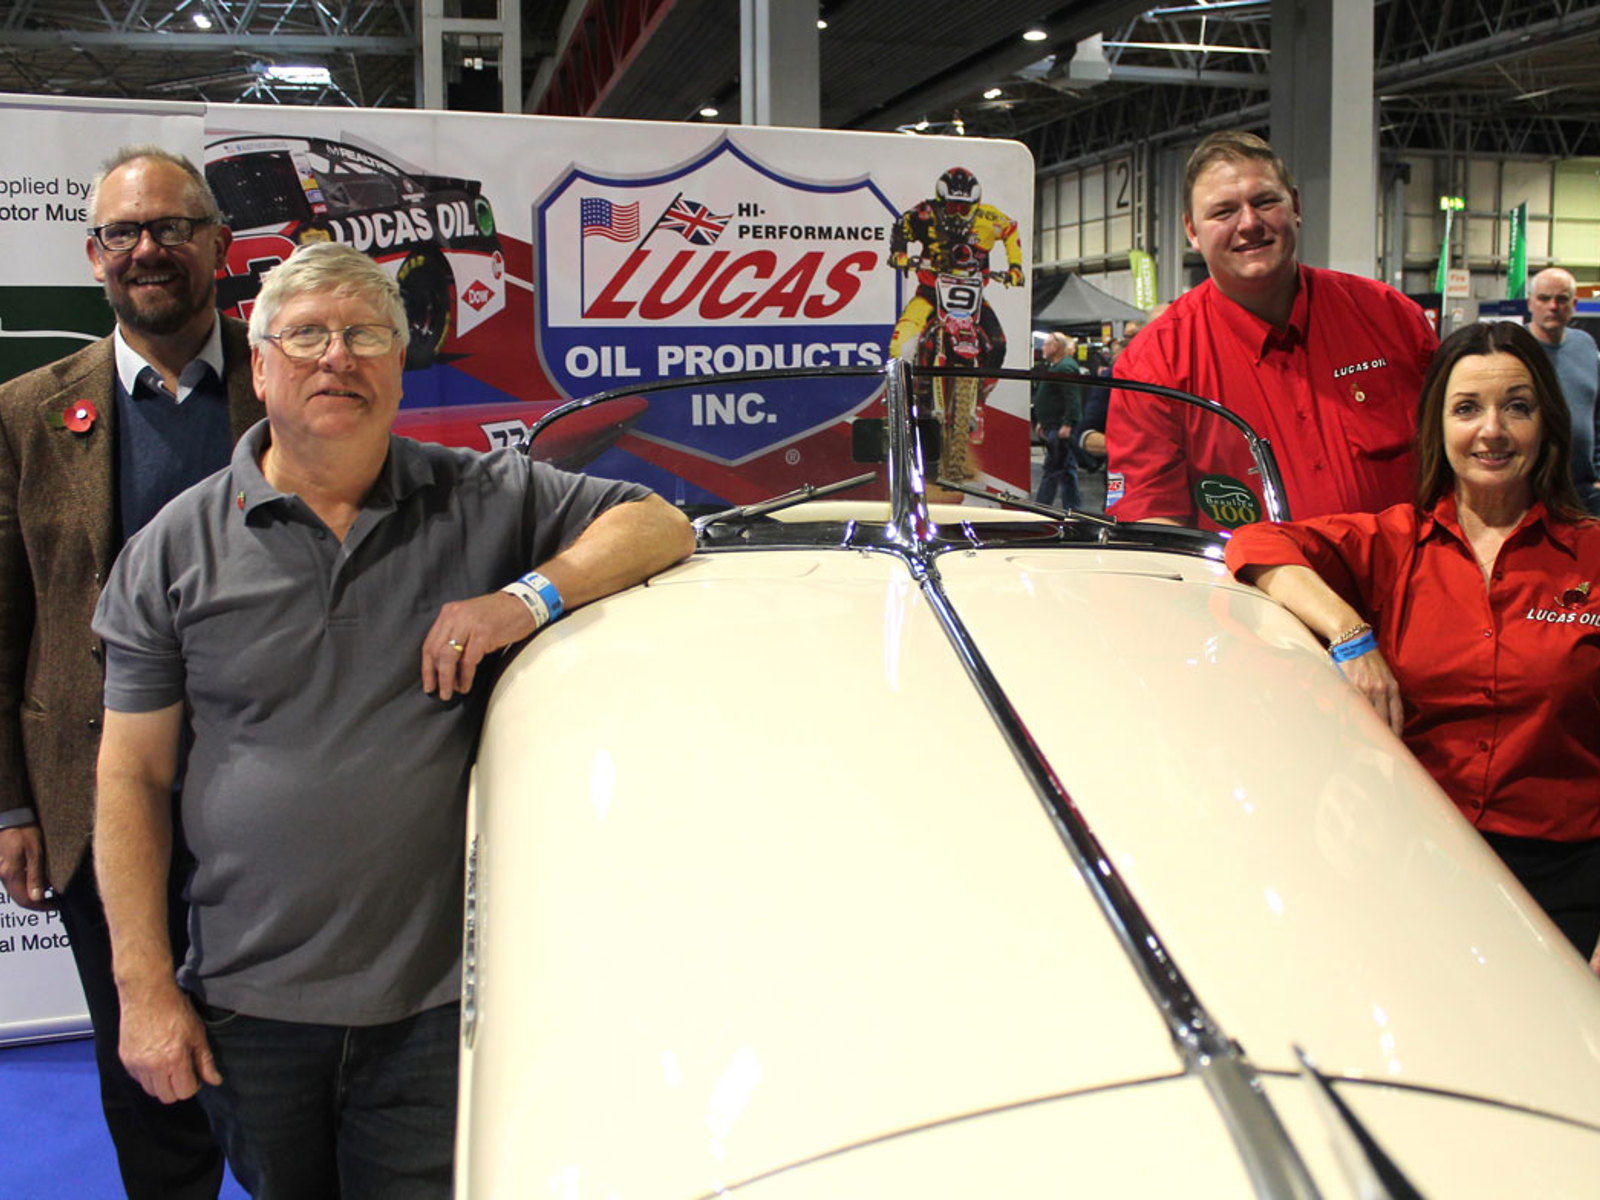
(1226, 501)
(723, 264)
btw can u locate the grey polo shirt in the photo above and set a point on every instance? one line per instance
(325, 792)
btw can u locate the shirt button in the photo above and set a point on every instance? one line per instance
(321, 534)
(1488, 633)
(1483, 746)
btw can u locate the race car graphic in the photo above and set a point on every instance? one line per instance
(435, 234)
(571, 445)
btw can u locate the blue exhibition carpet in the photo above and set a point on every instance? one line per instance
(56, 1143)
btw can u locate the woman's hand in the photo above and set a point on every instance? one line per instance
(1303, 592)
(1370, 676)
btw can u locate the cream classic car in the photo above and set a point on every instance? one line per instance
(892, 849)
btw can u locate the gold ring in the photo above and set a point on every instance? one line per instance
(456, 646)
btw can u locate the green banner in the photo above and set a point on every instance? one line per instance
(1449, 205)
(1517, 274)
(41, 324)
(1144, 279)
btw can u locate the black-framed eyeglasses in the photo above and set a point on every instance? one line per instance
(311, 341)
(121, 236)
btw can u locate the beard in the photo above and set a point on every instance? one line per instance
(158, 313)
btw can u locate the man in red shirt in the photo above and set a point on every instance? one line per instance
(1326, 366)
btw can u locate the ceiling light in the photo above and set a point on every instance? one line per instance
(709, 110)
(821, 24)
(1034, 35)
(993, 93)
(921, 125)
(201, 21)
(299, 76)
(960, 127)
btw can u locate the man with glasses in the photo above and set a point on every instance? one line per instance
(91, 447)
(320, 610)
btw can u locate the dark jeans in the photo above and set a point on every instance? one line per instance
(164, 1152)
(1564, 877)
(333, 1112)
(1060, 472)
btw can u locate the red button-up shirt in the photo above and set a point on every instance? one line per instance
(1501, 683)
(1335, 392)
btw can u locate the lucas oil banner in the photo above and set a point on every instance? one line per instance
(544, 259)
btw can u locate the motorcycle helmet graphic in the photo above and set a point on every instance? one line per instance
(958, 190)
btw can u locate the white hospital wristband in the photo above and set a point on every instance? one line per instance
(540, 595)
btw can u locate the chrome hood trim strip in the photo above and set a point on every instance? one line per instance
(1274, 1164)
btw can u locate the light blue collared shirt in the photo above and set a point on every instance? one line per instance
(132, 367)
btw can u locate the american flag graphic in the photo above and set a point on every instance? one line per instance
(601, 218)
(695, 221)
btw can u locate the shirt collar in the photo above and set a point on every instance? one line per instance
(1445, 516)
(406, 469)
(131, 366)
(1259, 336)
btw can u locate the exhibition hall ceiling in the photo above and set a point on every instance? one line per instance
(1514, 77)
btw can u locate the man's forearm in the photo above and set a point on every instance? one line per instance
(623, 545)
(133, 844)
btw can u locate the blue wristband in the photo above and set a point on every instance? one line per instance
(540, 595)
(547, 591)
(1354, 648)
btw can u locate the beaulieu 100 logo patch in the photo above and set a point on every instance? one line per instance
(1226, 501)
(720, 265)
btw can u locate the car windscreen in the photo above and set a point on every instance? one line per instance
(258, 189)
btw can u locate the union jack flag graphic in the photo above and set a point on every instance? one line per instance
(695, 221)
(601, 218)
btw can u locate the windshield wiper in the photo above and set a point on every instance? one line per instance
(1368, 1169)
(1011, 499)
(800, 495)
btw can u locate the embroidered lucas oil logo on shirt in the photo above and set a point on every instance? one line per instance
(1357, 392)
(1569, 607)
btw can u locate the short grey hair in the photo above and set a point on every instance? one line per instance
(328, 267)
(1571, 280)
(200, 191)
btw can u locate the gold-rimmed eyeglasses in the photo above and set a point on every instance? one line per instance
(312, 341)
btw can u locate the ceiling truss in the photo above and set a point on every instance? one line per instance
(1491, 77)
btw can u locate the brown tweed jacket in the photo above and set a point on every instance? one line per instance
(57, 515)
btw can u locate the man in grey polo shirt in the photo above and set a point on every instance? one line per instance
(281, 607)
(1552, 305)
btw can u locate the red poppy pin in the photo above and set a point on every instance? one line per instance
(1574, 597)
(79, 416)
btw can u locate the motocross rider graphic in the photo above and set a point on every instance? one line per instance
(956, 233)
(955, 217)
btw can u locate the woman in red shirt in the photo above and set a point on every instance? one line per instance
(1471, 620)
